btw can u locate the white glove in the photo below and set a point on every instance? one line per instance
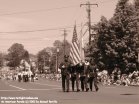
(79, 75)
(63, 66)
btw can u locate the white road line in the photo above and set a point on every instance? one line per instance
(17, 87)
(31, 89)
(45, 89)
(46, 84)
(10, 90)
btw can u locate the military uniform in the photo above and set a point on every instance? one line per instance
(93, 76)
(80, 68)
(73, 76)
(65, 74)
(86, 72)
(77, 69)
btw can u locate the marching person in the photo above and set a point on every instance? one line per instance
(86, 72)
(79, 75)
(93, 75)
(80, 67)
(73, 76)
(65, 74)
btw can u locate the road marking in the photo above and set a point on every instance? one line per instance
(17, 87)
(46, 84)
(22, 89)
(31, 89)
(10, 90)
(45, 89)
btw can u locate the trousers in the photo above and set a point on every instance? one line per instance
(65, 82)
(91, 81)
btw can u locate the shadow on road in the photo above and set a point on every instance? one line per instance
(128, 94)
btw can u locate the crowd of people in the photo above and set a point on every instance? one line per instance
(83, 75)
(103, 78)
(19, 75)
(116, 78)
(7, 74)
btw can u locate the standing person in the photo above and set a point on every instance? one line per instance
(86, 72)
(73, 76)
(19, 76)
(115, 73)
(24, 77)
(65, 74)
(79, 75)
(32, 72)
(32, 77)
(80, 67)
(93, 76)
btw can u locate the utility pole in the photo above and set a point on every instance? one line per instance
(65, 34)
(138, 42)
(89, 17)
(57, 58)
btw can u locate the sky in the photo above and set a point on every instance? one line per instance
(18, 18)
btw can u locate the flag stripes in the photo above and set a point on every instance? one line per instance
(75, 50)
(75, 58)
(72, 58)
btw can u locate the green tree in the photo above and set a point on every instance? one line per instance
(43, 60)
(125, 27)
(1, 59)
(137, 23)
(60, 46)
(15, 54)
(26, 56)
(117, 42)
(103, 52)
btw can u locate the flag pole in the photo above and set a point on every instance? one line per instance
(81, 43)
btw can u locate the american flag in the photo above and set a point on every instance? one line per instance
(75, 49)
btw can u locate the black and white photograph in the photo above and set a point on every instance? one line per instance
(69, 51)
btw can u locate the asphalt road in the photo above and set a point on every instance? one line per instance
(49, 92)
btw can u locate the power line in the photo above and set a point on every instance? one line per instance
(88, 4)
(107, 1)
(46, 10)
(39, 30)
(41, 10)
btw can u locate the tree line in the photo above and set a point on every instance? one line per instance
(45, 59)
(117, 39)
